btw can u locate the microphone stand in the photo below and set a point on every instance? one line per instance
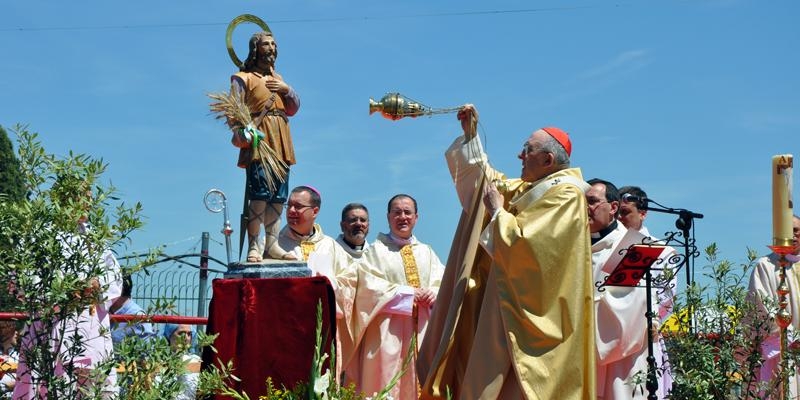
(652, 380)
(684, 223)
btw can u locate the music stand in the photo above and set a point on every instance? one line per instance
(687, 241)
(637, 262)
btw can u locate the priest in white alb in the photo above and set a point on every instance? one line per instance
(353, 241)
(619, 311)
(302, 239)
(399, 277)
(763, 292)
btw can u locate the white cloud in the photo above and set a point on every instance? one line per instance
(769, 120)
(600, 77)
(400, 165)
(617, 68)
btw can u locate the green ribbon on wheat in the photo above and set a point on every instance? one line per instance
(255, 134)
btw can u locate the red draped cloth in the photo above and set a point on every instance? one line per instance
(267, 327)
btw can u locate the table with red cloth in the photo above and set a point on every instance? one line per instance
(267, 327)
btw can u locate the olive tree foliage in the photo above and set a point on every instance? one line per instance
(722, 358)
(56, 261)
(57, 267)
(11, 186)
(10, 178)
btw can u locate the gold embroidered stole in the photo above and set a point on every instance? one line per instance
(410, 265)
(307, 248)
(412, 277)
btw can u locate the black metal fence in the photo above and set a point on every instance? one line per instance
(186, 280)
(182, 285)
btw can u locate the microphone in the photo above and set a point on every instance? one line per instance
(627, 197)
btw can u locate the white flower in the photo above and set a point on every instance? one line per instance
(375, 397)
(321, 384)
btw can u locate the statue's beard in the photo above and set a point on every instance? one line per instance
(267, 59)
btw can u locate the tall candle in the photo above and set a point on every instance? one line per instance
(782, 200)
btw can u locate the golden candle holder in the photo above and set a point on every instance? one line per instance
(783, 247)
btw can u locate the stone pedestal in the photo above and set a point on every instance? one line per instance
(268, 269)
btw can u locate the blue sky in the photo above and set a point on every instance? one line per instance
(688, 99)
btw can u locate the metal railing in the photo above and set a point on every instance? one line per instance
(181, 285)
(187, 284)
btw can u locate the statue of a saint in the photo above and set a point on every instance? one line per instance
(271, 102)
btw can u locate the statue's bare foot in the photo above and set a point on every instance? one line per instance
(253, 255)
(274, 252)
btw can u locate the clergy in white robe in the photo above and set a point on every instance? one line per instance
(315, 244)
(763, 288)
(355, 228)
(622, 330)
(353, 241)
(302, 239)
(400, 276)
(354, 252)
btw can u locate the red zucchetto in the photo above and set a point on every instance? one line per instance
(561, 137)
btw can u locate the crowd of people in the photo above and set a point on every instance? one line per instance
(516, 312)
(385, 290)
(99, 341)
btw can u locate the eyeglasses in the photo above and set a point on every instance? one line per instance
(527, 148)
(297, 206)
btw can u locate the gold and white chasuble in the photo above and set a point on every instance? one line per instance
(514, 318)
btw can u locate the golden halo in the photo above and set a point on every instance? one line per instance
(229, 33)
